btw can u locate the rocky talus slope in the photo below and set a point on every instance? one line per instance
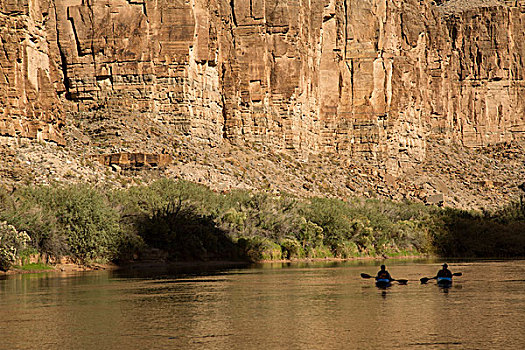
(391, 98)
(460, 177)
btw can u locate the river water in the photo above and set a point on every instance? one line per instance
(271, 306)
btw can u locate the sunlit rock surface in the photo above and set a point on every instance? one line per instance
(375, 80)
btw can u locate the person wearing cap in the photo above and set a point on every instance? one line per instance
(444, 272)
(384, 274)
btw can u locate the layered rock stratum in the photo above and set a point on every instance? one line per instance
(389, 98)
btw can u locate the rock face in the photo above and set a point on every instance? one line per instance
(29, 93)
(373, 79)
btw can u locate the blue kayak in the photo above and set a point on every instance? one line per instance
(444, 281)
(383, 283)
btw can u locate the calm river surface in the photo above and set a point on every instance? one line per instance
(274, 306)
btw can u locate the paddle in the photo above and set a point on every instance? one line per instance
(426, 279)
(400, 281)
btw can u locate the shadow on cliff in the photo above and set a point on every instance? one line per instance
(185, 235)
(498, 234)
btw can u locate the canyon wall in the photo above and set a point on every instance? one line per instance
(374, 79)
(30, 103)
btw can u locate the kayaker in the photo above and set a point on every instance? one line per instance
(383, 274)
(444, 272)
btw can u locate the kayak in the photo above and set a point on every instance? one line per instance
(444, 281)
(383, 283)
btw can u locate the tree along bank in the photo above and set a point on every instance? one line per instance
(183, 221)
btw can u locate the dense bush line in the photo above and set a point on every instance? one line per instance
(190, 222)
(499, 233)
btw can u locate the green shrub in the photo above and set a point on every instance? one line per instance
(234, 219)
(333, 216)
(89, 223)
(33, 214)
(318, 252)
(291, 249)
(74, 220)
(12, 242)
(348, 249)
(186, 235)
(261, 215)
(129, 246)
(259, 248)
(471, 234)
(310, 234)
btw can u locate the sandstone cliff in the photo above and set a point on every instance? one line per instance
(29, 98)
(378, 81)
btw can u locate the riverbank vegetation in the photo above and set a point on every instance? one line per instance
(185, 221)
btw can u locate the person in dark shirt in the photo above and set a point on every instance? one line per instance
(444, 272)
(383, 274)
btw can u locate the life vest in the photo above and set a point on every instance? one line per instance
(383, 275)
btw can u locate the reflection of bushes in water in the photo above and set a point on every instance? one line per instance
(500, 233)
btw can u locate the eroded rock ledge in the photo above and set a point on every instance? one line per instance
(134, 160)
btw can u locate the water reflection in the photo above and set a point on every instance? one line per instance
(275, 306)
